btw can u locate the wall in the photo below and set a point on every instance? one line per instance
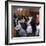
(2, 25)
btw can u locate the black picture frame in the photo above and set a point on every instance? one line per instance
(6, 23)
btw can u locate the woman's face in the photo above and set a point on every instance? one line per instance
(23, 20)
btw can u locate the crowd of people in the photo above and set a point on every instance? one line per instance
(26, 25)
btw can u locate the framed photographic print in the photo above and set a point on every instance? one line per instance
(25, 22)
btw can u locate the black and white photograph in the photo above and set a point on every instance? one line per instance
(25, 22)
